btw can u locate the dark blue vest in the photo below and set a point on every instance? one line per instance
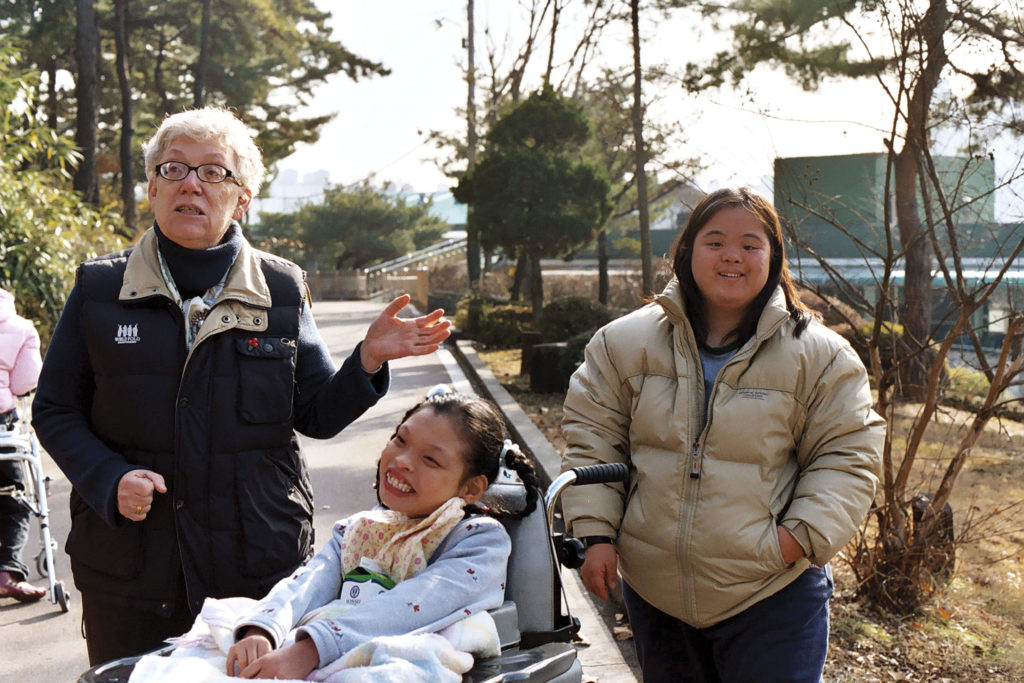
(217, 424)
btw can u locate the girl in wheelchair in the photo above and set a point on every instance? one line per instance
(429, 556)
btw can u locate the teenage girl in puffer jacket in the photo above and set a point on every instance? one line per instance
(753, 451)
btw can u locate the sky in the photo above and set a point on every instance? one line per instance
(381, 125)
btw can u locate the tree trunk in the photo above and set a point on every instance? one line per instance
(158, 76)
(86, 178)
(916, 313)
(536, 287)
(602, 266)
(199, 85)
(918, 256)
(521, 280)
(472, 231)
(641, 174)
(51, 93)
(555, 13)
(127, 117)
(911, 550)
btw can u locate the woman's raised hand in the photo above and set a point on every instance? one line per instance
(391, 337)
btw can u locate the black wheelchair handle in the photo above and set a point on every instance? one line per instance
(599, 474)
(579, 476)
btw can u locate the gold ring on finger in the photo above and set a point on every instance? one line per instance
(138, 509)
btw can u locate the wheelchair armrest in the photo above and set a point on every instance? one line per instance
(506, 618)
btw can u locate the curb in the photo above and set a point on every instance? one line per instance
(523, 430)
(600, 655)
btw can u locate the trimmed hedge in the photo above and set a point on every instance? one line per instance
(491, 322)
(572, 358)
(498, 324)
(565, 317)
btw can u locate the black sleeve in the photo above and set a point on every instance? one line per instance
(327, 399)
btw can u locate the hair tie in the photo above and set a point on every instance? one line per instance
(439, 390)
(506, 448)
(506, 469)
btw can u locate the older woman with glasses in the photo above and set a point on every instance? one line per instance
(172, 389)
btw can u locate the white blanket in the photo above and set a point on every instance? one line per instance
(200, 656)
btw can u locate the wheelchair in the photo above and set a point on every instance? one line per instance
(18, 443)
(534, 624)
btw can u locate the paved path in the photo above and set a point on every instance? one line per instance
(39, 643)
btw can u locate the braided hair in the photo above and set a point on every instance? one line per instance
(488, 448)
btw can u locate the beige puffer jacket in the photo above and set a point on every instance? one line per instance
(791, 438)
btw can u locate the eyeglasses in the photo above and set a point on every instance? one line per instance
(208, 173)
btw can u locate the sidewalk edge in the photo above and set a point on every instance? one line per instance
(526, 433)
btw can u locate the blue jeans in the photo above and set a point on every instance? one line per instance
(783, 638)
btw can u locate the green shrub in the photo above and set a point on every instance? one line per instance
(888, 331)
(889, 339)
(46, 229)
(465, 319)
(501, 327)
(966, 381)
(572, 357)
(565, 317)
(492, 322)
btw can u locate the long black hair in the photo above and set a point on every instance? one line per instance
(778, 268)
(482, 428)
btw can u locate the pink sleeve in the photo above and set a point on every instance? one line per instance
(25, 373)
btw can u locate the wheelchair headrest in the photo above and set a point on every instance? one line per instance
(510, 497)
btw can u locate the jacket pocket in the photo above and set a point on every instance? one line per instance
(275, 504)
(775, 559)
(266, 379)
(116, 553)
(633, 518)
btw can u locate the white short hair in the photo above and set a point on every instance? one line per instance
(210, 124)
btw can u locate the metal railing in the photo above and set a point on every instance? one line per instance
(377, 276)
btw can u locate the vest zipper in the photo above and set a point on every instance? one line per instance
(176, 311)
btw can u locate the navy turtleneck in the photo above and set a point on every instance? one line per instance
(196, 270)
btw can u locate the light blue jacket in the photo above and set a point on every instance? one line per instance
(465, 575)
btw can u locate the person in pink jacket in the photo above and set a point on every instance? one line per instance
(19, 370)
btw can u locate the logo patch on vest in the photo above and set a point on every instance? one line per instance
(127, 334)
